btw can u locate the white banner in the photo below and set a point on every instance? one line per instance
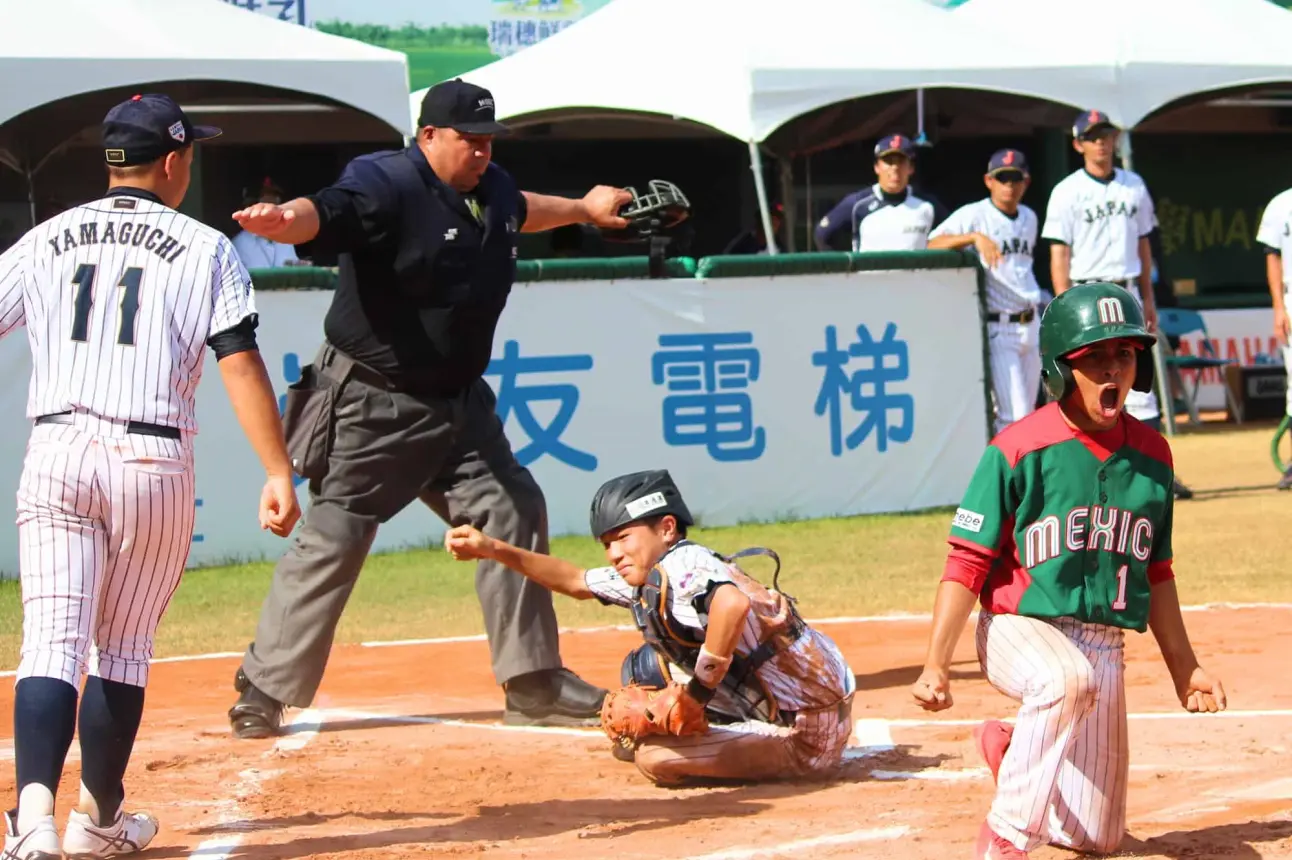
(1240, 334)
(768, 399)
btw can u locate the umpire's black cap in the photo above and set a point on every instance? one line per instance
(460, 106)
(147, 127)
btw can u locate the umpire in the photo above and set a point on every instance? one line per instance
(394, 407)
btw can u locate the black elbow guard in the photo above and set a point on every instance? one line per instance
(240, 338)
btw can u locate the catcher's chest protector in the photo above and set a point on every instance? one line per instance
(741, 695)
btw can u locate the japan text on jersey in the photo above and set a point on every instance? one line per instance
(119, 297)
(1011, 285)
(1102, 221)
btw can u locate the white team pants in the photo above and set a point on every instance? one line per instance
(1287, 355)
(1063, 779)
(1014, 352)
(105, 524)
(1143, 404)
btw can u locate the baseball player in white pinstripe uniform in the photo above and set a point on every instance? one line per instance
(120, 298)
(1003, 232)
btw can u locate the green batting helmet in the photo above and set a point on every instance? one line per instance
(1084, 315)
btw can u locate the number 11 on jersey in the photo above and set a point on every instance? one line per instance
(84, 280)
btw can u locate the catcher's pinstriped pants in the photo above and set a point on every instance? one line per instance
(388, 450)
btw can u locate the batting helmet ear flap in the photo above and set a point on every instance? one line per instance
(1057, 375)
(1144, 370)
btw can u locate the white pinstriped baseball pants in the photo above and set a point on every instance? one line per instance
(1015, 355)
(105, 524)
(1063, 779)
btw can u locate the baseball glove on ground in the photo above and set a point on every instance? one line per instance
(635, 712)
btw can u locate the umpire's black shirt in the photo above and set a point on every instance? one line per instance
(424, 271)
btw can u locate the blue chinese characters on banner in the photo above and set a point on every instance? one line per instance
(515, 397)
(708, 376)
(865, 391)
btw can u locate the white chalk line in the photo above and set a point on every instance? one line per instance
(625, 628)
(302, 729)
(334, 714)
(883, 834)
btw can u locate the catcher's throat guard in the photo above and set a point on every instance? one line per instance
(741, 695)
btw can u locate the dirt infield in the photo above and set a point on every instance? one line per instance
(404, 755)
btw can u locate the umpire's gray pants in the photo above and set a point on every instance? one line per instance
(389, 449)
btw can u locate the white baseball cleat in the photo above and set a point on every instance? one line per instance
(39, 843)
(130, 832)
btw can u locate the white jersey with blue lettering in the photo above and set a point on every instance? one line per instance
(1102, 221)
(119, 297)
(880, 221)
(1011, 285)
(1013, 331)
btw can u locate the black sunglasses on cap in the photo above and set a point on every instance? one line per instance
(1008, 176)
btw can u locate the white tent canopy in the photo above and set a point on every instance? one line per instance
(746, 67)
(1158, 51)
(53, 49)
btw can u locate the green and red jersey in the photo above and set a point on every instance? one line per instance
(1058, 523)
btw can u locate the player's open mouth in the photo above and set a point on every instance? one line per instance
(1108, 396)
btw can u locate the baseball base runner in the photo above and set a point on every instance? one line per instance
(121, 297)
(1065, 535)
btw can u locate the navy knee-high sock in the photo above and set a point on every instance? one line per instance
(110, 715)
(44, 720)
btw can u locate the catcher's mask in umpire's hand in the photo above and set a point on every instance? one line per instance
(662, 208)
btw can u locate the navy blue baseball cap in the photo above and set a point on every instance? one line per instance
(895, 143)
(460, 106)
(1090, 121)
(148, 127)
(1004, 160)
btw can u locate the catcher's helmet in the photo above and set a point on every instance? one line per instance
(1087, 314)
(634, 497)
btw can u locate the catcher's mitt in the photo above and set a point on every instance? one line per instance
(636, 712)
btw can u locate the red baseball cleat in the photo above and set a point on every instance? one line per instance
(992, 847)
(993, 739)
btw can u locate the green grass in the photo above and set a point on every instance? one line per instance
(427, 66)
(1228, 546)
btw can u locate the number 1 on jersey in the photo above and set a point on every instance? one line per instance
(1120, 603)
(84, 280)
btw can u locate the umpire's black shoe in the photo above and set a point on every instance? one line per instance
(553, 697)
(255, 714)
(1181, 491)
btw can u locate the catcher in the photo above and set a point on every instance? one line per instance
(731, 684)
